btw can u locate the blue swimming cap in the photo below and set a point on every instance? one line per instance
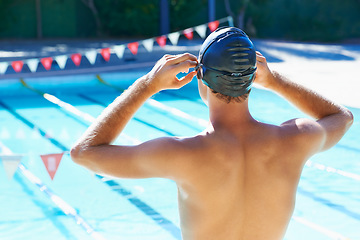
(227, 62)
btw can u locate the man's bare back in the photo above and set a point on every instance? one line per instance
(238, 179)
(241, 185)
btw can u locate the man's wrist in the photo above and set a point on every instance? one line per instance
(275, 81)
(146, 85)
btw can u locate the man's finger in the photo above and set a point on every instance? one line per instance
(182, 57)
(184, 66)
(260, 58)
(186, 79)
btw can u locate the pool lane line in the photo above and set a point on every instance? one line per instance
(156, 104)
(67, 113)
(146, 209)
(69, 108)
(328, 203)
(329, 233)
(67, 209)
(60, 203)
(167, 92)
(33, 126)
(163, 222)
(58, 102)
(134, 118)
(322, 167)
(331, 205)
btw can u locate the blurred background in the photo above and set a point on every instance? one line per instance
(299, 20)
(63, 61)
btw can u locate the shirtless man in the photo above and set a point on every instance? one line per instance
(237, 180)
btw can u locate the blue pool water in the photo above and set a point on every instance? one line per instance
(328, 199)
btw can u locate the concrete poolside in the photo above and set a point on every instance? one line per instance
(330, 69)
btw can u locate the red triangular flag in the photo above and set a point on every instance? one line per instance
(189, 33)
(76, 58)
(161, 41)
(46, 62)
(51, 162)
(213, 25)
(133, 47)
(17, 65)
(105, 53)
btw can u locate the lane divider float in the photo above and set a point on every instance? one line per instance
(156, 104)
(66, 208)
(69, 108)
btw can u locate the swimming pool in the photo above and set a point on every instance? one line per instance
(328, 198)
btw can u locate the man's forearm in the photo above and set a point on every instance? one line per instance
(114, 118)
(305, 99)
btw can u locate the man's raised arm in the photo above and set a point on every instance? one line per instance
(332, 120)
(94, 150)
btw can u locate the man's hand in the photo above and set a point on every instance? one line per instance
(264, 76)
(163, 74)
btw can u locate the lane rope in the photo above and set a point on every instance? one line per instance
(322, 167)
(331, 234)
(66, 208)
(156, 104)
(69, 108)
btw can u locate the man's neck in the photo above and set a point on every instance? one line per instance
(229, 115)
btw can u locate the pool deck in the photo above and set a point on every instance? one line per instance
(330, 69)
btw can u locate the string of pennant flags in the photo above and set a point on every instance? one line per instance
(119, 50)
(11, 163)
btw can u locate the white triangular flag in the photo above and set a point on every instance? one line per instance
(61, 61)
(148, 44)
(11, 163)
(201, 30)
(119, 50)
(32, 64)
(174, 38)
(91, 56)
(3, 67)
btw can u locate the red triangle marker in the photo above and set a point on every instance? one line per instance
(161, 41)
(51, 162)
(76, 58)
(47, 62)
(189, 33)
(213, 25)
(133, 47)
(17, 65)
(105, 53)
